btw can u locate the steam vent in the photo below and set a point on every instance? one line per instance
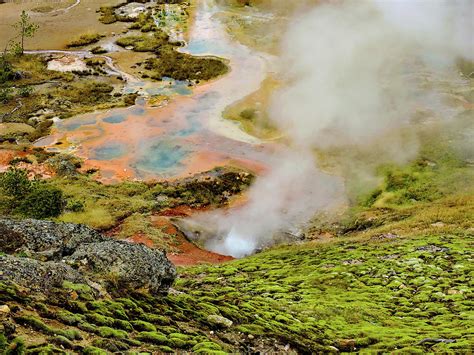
(236, 177)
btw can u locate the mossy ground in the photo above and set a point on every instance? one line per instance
(397, 277)
(391, 294)
(85, 40)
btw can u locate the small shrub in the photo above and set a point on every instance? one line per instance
(6, 94)
(42, 202)
(25, 91)
(15, 182)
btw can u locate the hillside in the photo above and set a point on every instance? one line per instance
(236, 177)
(382, 293)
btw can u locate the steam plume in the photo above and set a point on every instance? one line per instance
(349, 66)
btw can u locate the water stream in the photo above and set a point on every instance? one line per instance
(188, 135)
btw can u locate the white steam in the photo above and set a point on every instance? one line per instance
(349, 67)
(278, 202)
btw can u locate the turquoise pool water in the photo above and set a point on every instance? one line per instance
(162, 157)
(117, 118)
(112, 150)
(74, 124)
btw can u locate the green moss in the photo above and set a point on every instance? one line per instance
(16, 347)
(92, 350)
(179, 336)
(100, 319)
(110, 345)
(204, 346)
(166, 349)
(77, 287)
(61, 341)
(123, 324)
(69, 318)
(107, 332)
(143, 326)
(153, 337)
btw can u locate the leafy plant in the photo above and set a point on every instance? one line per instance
(30, 198)
(25, 91)
(14, 182)
(6, 94)
(26, 29)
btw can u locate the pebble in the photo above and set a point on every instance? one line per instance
(4, 309)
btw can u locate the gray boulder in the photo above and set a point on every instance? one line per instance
(58, 252)
(44, 240)
(219, 321)
(125, 265)
(37, 275)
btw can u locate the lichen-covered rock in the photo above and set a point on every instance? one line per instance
(58, 252)
(44, 240)
(37, 275)
(125, 265)
(219, 321)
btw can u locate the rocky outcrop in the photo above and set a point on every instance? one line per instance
(44, 240)
(130, 266)
(37, 275)
(58, 252)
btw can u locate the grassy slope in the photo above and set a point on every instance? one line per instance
(382, 294)
(397, 277)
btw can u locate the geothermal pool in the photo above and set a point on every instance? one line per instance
(186, 136)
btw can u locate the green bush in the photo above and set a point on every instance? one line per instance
(14, 182)
(42, 202)
(6, 94)
(30, 199)
(25, 91)
(6, 71)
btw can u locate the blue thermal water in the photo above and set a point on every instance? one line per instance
(162, 157)
(76, 123)
(117, 118)
(109, 151)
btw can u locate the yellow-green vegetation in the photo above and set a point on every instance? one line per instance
(251, 111)
(395, 278)
(140, 224)
(168, 62)
(144, 42)
(77, 198)
(32, 95)
(432, 194)
(85, 40)
(104, 206)
(355, 294)
(144, 22)
(181, 66)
